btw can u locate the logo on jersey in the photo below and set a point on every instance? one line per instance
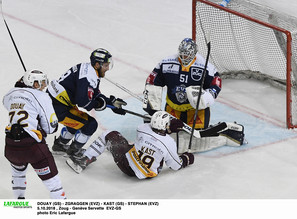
(43, 171)
(171, 68)
(150, 79)
(196, 74)
(90, 93)
(180, 93)
(53, 120)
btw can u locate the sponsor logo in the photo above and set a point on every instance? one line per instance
(90, 93)
(171, 68)
(43, 171)
(196, 74)
(150, 79)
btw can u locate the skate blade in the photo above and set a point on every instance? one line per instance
(60, 153)
(76, 168)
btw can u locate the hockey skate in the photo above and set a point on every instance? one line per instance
(59, 147)
(78, 164)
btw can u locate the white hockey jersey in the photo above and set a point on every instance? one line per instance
(32, 109)
(150, 151)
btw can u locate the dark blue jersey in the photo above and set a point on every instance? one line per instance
(81, 83)
(170, 73)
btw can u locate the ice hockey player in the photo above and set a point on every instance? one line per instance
(145, 158)
(182, 75)
(79, 87)
(31, 118)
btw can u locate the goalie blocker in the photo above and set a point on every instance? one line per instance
(221, 134)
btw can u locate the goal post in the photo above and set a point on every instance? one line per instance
(250, 41)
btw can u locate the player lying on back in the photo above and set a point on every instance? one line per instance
(145, 158)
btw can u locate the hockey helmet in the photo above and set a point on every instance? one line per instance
(34, 75)
(160, 121)
(187, 51)
(101, 56)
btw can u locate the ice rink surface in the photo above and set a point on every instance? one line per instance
(55, 35)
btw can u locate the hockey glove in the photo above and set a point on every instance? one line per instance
(101, 104)
(188, 159)
(206, 98)
(176, 125)
(117, 103)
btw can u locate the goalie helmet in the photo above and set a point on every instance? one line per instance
(101, 56)
(34, 75)
(160, 121)
(187, 51)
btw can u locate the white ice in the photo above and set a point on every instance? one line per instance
(55, 35)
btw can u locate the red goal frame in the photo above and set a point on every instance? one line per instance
(289, 49)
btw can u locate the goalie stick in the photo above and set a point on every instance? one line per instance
(199, 95)
(16, 48)
(211, 131)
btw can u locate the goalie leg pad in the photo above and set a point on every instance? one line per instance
(198, 144)
(152, 97)
(234, 134)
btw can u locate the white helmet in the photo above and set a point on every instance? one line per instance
(34, 75)
(160, 121)
(187, 51)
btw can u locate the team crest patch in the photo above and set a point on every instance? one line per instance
(196, 74)
(43, 171)
(180, 93)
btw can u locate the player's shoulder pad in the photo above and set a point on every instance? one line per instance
(171, 59)
(200, 62)
(88, 72)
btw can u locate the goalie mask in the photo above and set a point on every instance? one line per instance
(160, 121)
(187, 51)
(101, 56)
(35, 76)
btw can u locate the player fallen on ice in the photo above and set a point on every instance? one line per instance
(79, 88)
(145, 158)
(32, 117)
(182, 74)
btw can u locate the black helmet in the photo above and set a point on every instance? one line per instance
(102, 56)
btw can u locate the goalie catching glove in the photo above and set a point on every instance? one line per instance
(206, 99)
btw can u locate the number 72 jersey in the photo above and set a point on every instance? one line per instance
(32, 109)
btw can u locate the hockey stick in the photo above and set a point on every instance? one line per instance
(199, 95)
(12, 38)
(186, 127)
(125, 89)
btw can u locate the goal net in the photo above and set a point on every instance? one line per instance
(250, 41)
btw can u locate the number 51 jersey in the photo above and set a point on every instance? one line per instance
(169, 72)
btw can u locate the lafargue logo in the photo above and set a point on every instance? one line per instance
(17, 204)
